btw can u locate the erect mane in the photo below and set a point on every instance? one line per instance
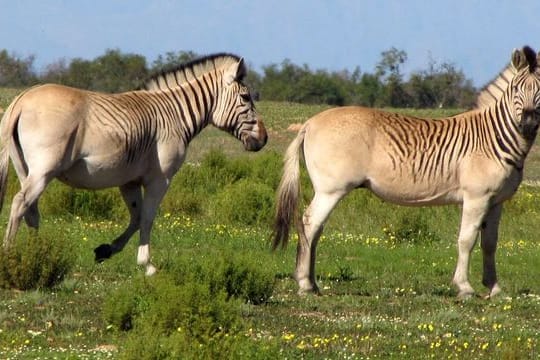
(186, 72)
(495, 89)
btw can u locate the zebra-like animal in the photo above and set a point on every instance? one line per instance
(135, 140)
(474, 159)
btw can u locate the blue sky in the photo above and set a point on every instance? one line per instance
(476, 35)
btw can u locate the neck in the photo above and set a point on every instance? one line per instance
(511, 143)
(193, 105)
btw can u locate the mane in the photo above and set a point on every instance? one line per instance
(176, 76)
(494, 90)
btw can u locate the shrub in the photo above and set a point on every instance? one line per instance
(246, 280)
(238, 276)
(219, 170)
(245, 203)
(126, 304)
(36, 260)
(267, 168)
(191, 309)
(103, 204)
(189, 320)
(188, 201)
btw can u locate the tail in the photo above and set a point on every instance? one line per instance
(9, 121)
(288, 192)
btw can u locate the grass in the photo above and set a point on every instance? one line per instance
(386, 284)
(380, 299)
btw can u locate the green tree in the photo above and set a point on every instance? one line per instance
(388, 70)
(441, 85)
(116, 72)
(320, 88)
(111, 72)
(369, 90)
(171, 60)
(16, 71)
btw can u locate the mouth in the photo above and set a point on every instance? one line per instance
(257, 139)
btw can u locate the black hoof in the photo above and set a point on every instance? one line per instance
(103, 252)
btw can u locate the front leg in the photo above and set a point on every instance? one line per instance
(489, 246)
(132, 195)
(474, 212)
(153, 195)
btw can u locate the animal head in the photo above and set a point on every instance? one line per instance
(524, 91)
(235, 109)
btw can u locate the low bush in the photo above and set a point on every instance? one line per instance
(189, 310)
(36, 260)
(61, 200)
(245, 203)
(238, 276)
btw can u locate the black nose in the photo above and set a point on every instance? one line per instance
(254, 144)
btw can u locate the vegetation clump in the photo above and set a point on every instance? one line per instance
(36, 260)
(191, 309)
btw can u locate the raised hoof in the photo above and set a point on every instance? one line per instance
(103, 252)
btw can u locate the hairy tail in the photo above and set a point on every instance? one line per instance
(7, 126)
(288, 192)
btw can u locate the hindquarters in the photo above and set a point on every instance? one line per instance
(39, 133)
(338, 149)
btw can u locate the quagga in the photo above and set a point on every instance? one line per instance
(474, 159)
(135, 140)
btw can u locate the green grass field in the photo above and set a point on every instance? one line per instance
(384, 270)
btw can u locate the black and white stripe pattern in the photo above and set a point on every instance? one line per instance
(135, 140)
(428, 150)
(176, 104)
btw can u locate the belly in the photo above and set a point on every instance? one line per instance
(405, 193)
(88, 175)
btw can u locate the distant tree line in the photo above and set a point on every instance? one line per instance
(440, 85)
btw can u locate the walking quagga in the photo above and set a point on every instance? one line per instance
(474, 159)
(135, 140)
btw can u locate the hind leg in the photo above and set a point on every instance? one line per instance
(132, 195)
(31, 216)
(32, 187)
(309, 233)
(489, 237)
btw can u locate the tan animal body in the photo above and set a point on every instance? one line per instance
(474, 159)
(135, 140)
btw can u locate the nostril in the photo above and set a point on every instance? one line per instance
(529, 111)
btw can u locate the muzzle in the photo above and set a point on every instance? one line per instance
(256, 138)
(529, 123)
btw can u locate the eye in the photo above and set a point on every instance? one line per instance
(245, 97)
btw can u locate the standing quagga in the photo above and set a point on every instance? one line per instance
(474, 159)
(135, 140)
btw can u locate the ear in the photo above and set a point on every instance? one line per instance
(518, 60)
(523, 58)
(236, 72)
